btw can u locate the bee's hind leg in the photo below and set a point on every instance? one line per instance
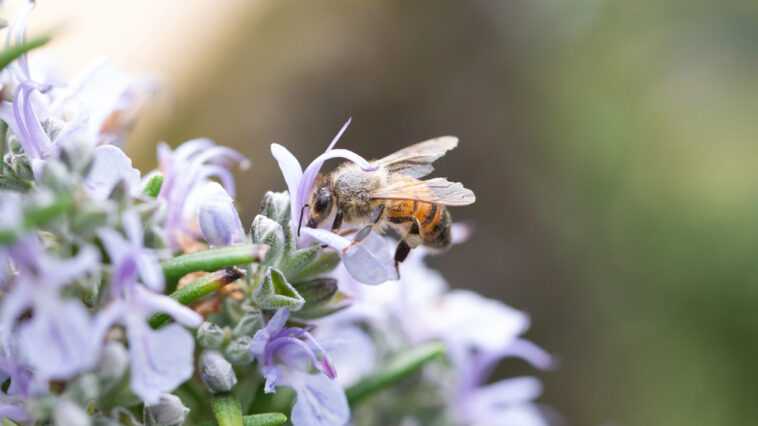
(376, 216)
(412, 240)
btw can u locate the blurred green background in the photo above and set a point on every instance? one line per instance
(612, 148)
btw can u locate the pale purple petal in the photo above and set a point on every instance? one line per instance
(132, 227)
(466, 318)
(370, 261)
(320, 400)
(161, 359)
(506, 402)
(273, 376)
(59, 349)
(105, 318)
(155, 302)
(13, 412)
(535, 355)
(78, 123)
(292, 173)
(14, 304)
(150, 270)
(110, 166)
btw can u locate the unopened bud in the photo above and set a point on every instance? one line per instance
(169, 411)
(216, 372)
(269, 232)
(276, 206)
(218, 219)
(210, 335)
(68, 413)
(238, 351)
(249, 324)
(114, 359)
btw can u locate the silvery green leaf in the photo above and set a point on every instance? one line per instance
(276, 206)
(317, 291)
(55, 176)
(12, 181)
(238, 351)
(83, 389)
(320, 300)
(323, 262)
(210, 335)
(269, 232)
(274, 292)
(249, 324)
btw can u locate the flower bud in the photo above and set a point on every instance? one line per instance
(269, 232)
(68, 413)
(249, 324)
(216, 372)
(238, 351)
(218, 219)
(114, 359)
(169, 411)
(276, 206)
(210, 335)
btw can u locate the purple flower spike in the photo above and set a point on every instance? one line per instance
(185, 171)
(284, 354)
(61, 326)
(219, 221)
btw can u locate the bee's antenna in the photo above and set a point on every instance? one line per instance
(300, 221)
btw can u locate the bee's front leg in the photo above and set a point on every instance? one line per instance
(337, 224)
(376, 216)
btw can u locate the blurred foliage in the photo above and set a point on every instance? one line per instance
(612, 148)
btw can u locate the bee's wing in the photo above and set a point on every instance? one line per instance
(437, 190)
(416, 160)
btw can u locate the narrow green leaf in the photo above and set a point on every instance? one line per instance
(264, 419)
(398, 368)
(11, 53)
(227, 410)
(212, 260)
(153, 186)
(199, 288)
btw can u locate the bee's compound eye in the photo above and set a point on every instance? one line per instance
(323, 202)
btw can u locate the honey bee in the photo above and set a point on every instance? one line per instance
(392, 197)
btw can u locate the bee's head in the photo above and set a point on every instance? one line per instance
(321, 202)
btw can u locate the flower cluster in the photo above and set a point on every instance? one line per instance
(126, 296)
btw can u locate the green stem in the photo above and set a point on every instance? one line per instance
(398, 368)
(199, 288)
(227, 410)
(265, 419)
(212, 260)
